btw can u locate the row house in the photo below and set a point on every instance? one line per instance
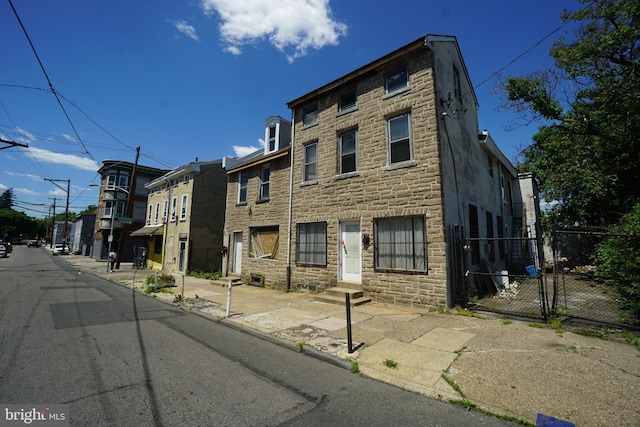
(257, 207)
(381, 164)
(184, 218)
(122, 203)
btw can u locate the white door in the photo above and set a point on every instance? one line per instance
(350, 252)
(237, 253)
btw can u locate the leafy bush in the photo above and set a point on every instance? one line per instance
(161, 279)
(617, 261)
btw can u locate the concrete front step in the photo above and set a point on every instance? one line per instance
(336, 295)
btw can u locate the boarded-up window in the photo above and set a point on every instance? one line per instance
(263, 242)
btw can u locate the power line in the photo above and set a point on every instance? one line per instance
(24, 30)
(520, 56)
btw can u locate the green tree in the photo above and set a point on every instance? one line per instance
(14, 224)
(6, 199)
(91, 209)
(586, 155)
(617, 261)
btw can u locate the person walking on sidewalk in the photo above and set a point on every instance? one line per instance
(112, 260)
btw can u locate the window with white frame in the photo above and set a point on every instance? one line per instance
(174, 208)
(165, 211)
(310, 115)
(157, 218)
(243, 185)
(117, 182)
(113, 209)
(399, 131)
(400, 244)
(149, 214)
(271, 142)
(311, 243)
(310, 169)
(396, 81)
(348, 101)
(186, 178)
(183, 207)
(263, 242)
(348, 152)
(265, 175)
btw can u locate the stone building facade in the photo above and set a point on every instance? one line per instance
(257, 209)
(384, 161)
(185, 218)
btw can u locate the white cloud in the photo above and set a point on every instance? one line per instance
(289, 25)
(186, 29)
(25, 175)
(25, 136)
(241, 151)
(72, 160)
(27, 192)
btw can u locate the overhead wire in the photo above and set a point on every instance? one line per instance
(55, 94)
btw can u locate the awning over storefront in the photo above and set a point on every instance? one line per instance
(149, 230)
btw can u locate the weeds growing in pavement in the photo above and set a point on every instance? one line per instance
(389, 363)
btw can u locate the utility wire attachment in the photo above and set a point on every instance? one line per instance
(12, 144)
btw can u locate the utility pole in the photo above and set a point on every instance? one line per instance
(53, 222)
(127, 207)
(66, 211)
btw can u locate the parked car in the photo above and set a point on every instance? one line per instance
(3, 251)
(60, 249)
(33, 243)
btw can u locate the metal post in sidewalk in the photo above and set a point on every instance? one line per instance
(349, 337)
(229, 287)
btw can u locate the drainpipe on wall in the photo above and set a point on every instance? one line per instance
(288, 274)
(165, 226)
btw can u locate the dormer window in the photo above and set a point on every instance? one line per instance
(271, 142)
(277, 134)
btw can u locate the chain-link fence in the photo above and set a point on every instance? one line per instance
(580, 291)
(541, 277)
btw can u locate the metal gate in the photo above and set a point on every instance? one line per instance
(579, 294)
(501, 275)
(511, 276)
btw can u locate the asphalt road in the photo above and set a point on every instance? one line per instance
(119, 358)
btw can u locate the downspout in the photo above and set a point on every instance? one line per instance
(165, 227)
(288, 274)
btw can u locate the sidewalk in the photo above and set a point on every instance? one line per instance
(504, 367)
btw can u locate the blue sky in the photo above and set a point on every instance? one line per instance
(197, 78)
